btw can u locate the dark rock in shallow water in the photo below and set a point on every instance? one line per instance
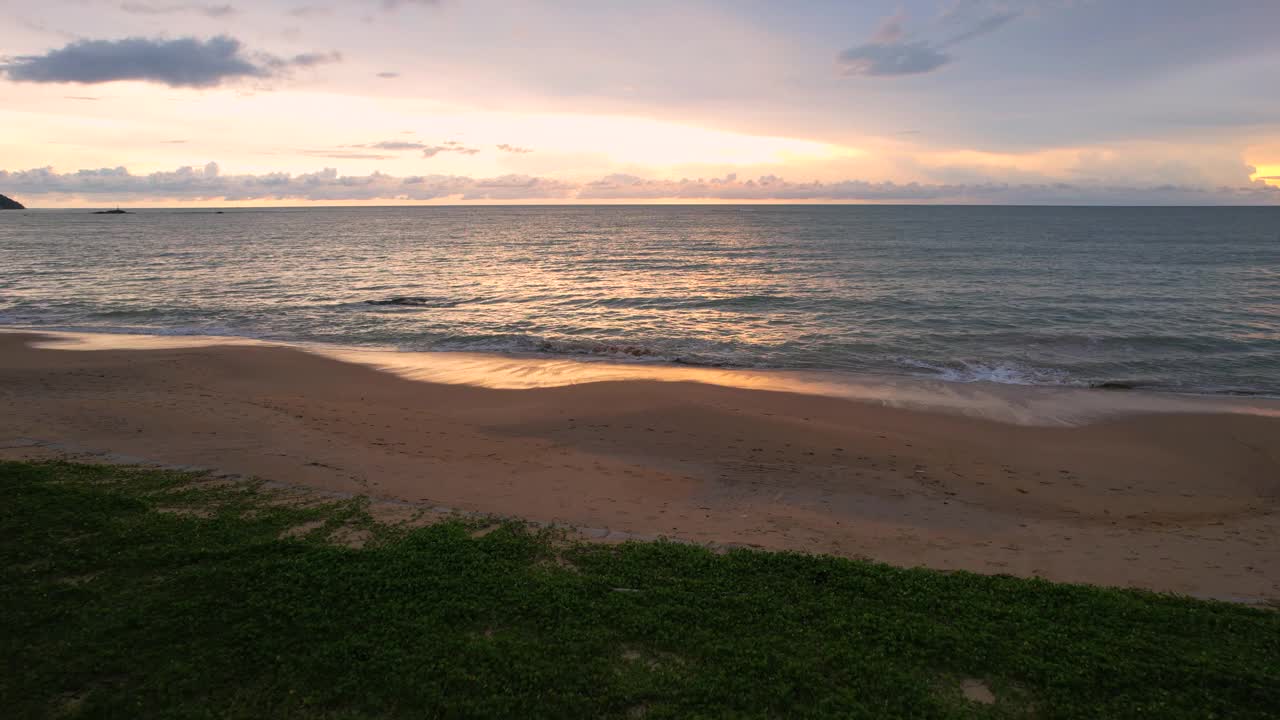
(117, 211)
(415, 302)
(1113, 385)
(7, 203)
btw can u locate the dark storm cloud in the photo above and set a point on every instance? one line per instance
(139, 8)
(184, 62)
(208, 183)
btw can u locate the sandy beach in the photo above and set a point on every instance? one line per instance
(1185, 502)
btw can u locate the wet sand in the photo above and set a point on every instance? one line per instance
(1186, 502)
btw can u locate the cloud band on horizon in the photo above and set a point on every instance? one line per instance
(209, 184)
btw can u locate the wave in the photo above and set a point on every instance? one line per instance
(213, 331)
(687, 351)
(1114, 385)
(416, 301)
(1004, 373)
(744, 301)
(602, 350)
(734, 302)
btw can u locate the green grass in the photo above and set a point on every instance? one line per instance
(112, 608)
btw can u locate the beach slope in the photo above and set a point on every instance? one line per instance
(1177, 502)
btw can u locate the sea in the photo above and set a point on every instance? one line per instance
(1176, 299)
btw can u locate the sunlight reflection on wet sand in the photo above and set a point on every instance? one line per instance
(1020, 404)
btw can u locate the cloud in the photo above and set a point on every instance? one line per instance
(42, 28)
(890, 30)
(139, 8)
(306, 11)
(346, 155)
(396, 145)
(184, 62)
(449, 146)
(388, 75)
(208, 183)
(396, 4)
(891, 51)
(768, 187)
(514, 149)
(984, 25)
(885, 59)
(310, 59)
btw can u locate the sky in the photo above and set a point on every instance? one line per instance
(291, 102)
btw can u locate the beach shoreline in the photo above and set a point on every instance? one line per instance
(1186, 501)
(1008, 402)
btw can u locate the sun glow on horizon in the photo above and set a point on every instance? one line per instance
(1269, 174)
(259, 133)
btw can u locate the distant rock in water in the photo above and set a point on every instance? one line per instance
(7, 203)
(1113, 385)
(409, 301)
(117, 211)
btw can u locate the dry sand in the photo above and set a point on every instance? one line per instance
(1179, 502)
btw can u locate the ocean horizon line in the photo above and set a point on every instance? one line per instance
(660, 204)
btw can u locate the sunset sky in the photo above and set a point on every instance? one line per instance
(270, 102)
